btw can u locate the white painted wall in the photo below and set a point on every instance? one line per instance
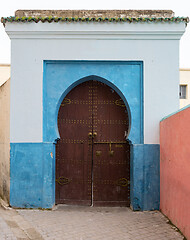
(157, 44)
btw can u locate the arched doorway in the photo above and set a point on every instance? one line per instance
(92, 155)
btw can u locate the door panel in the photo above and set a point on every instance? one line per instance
(110, 149)
(92, 153)
(73, 153)
(111, 176)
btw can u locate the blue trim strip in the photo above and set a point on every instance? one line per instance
(142, 102)
(178, 111)
(44, 97)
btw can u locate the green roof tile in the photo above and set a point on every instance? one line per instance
(89, 19)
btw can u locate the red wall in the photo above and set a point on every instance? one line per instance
(175, 169)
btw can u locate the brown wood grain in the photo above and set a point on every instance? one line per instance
(95, 169)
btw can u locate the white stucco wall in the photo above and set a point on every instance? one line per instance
(156, 44)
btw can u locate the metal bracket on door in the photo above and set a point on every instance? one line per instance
(63, 180)
(123, 182)
(111, 152)
(119, 142)
(65, 102)
(98, 153)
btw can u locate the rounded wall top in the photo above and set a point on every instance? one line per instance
(95, 13)
(94, 16)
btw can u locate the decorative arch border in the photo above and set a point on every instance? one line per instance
(125, 77)
(91, 78)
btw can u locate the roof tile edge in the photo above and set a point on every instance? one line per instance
(94, 16)
(76, 19)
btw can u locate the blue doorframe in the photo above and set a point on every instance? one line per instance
(125, 77)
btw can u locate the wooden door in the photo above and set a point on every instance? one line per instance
(73, 152)
(92, 156)
(110, 148)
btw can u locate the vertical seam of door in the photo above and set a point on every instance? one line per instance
(92, 171)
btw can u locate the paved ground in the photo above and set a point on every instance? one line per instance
(85, 223)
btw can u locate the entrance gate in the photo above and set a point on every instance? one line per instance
(92, 155)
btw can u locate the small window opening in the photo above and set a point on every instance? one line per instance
(183, 91)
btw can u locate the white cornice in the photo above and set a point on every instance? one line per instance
(106, 31)
(96, 35)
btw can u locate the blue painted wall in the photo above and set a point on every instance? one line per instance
(32, 175)
(145, 176)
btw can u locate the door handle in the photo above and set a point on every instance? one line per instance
(92, 135)
(89, 134)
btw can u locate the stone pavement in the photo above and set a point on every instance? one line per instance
(85, 223)
(13, 226)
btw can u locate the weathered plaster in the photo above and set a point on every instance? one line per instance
(145, 177)
(5, 140)
(32, 175)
